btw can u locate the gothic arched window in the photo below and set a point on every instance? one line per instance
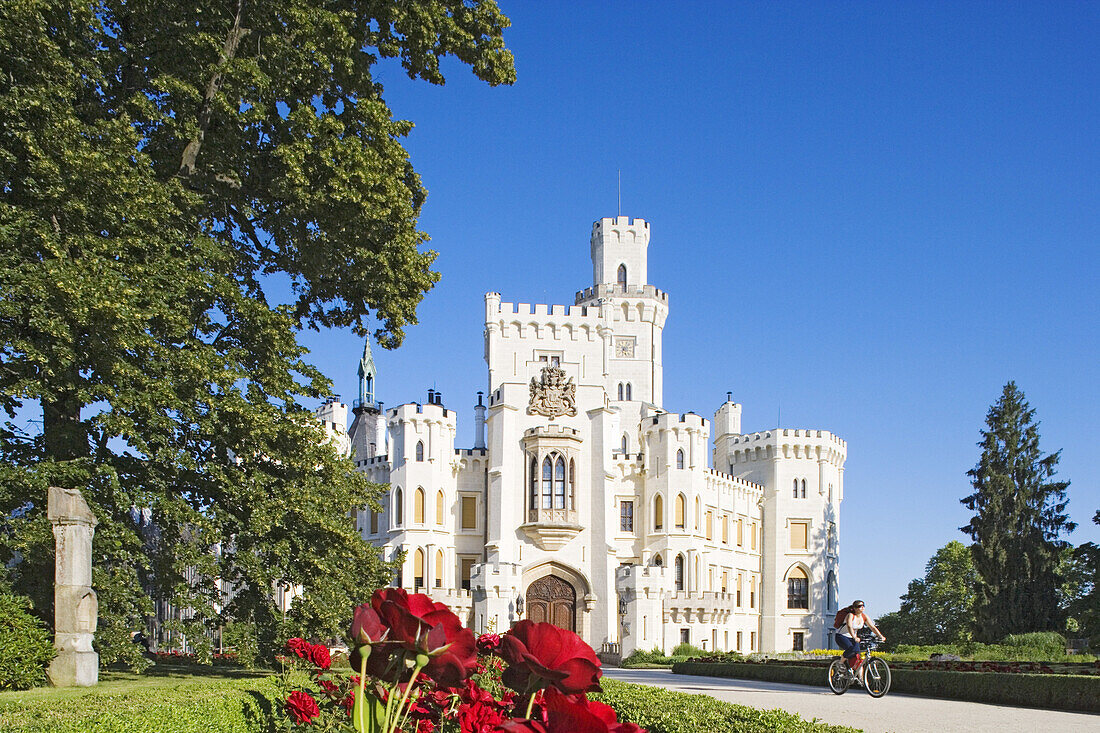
(628, 395)
(420, 450)
(439, 507)
(796, 488)
(559, 483)
(398, 507)
(658, 513)
(620, 391)
(572, 485)
(798, 589)
(657, 561)
(679, 459)
(534, 503)
(547, 480)
(803, 488)
(622, 275)
(680, 511)
(679, 572)
(439, 568)
(623, 445)
(418, 570)
(418, 506)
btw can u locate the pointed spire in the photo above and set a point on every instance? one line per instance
(366, 376)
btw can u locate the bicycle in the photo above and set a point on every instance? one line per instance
(876, 672)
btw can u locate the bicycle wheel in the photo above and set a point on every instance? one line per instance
(839, 679)
(877, 677)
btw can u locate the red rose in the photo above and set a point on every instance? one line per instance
(319, 655)
(366, 626)
(399, 626)
(300, 647)
(478, 717)
(541, 655)
(302, 708)
(572, 714)
(488, 643)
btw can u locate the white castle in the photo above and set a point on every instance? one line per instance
(585, 503)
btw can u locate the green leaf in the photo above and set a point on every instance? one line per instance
(368, 715)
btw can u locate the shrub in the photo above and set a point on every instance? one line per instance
(25, 643)
(687, 650)
(667, 711)
(1044, 641)
(240, 638)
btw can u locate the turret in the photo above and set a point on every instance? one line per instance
(619, 248)
(727, 423)
(367, 433)
(366, 378)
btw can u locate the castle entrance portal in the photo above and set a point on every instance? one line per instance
(552, 599)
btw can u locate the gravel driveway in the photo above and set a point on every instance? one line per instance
(895, 713)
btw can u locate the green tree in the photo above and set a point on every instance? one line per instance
(167, 170)
(1083, 591)
(939, 608)
(1020, 516)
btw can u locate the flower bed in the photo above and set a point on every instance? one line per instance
(415, 669)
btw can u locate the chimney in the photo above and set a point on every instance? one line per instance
(479, 422)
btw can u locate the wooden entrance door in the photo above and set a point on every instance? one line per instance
(552, 599)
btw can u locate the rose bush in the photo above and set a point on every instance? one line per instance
(416, 669)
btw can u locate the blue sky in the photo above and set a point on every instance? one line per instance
(869, 217)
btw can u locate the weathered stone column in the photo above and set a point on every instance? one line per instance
(75, 606)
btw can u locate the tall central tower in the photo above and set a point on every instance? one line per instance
(635, 320)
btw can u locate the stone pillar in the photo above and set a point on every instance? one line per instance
(75, 606)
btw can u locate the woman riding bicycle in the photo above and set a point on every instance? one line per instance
(847, 637)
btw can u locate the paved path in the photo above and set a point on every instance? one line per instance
(894, 713)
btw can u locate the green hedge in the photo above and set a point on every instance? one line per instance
(1051, 691)
(144, 705)
(25, 646)
(667, 711)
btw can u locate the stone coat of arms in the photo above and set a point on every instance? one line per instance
(554, 394)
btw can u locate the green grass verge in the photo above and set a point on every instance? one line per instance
(1050, 691)
(164, 702)
(666, 711)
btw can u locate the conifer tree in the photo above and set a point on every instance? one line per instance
(1020, 517)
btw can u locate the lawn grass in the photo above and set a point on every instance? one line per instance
(161, 700)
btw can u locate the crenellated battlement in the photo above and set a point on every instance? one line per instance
(725, 482)
(552, 431)
(610, 290)
(675, 421)
(416, 412)
(541, 321)
(542, 310)
(620, 226)
(788, 443)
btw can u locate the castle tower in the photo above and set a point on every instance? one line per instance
(619, 251)
(634, 311)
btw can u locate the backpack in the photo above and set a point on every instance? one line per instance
(841, 617)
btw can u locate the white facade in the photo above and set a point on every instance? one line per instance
(586, 503)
